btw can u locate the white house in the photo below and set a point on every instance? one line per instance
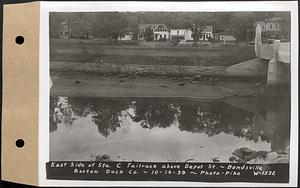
(227, 37)
(182, 34)
(126, 36)
(206, 33)
(186, 34)
(160, 31)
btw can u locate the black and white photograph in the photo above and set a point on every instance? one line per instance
(145, 87)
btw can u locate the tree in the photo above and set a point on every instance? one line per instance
(196, 33)
(149, 34)
(111, 24)
(55, 19)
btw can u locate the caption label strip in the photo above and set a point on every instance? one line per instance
(165, 171)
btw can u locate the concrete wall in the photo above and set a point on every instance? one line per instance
(253, 68)
(278, 73)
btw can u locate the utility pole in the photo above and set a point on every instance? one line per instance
(247, 37)
(68, 24)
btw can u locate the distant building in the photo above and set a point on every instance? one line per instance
(227, 37)
(64, 30)
(186, 34)
(77, 30)
(126, 36)
(182, 34)
(270, 24)
(160, 31)
(273, 28)
(206, 33)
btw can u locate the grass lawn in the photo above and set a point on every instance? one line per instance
(95, 51)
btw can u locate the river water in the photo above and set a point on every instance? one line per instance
(165, 129)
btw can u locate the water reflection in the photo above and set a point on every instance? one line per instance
(163, 129)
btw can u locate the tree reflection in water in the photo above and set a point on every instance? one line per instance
(214, 118)
(104, 113)
(60, 112)
(153, 114)
(211, 118)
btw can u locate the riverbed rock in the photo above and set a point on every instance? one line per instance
(251, 156)
(287, 150)
(238, 153)
(284, 159)
(272, 156)
(254, 155)
(105, 156)
(262, 153)
(215, 159)
(246, 151)
(232, 159)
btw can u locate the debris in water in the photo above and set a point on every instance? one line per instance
(181, 84)
(77, 82)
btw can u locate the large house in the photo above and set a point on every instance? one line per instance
(271, 28)
(160, 31)
(206, 33)
(64, 30)
(182, 34)
(270, 24)
(186, 34)
(126, 36)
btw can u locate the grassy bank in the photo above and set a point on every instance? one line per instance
(97, 51)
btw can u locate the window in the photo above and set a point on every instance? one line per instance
(271, 26)
(177, 31)
(165, 36)
(160, 36)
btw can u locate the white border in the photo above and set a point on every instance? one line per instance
(47, 7)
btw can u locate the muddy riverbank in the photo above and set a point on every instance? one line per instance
(123, 85)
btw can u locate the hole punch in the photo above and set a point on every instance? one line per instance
(20, 143)
(19, 40)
